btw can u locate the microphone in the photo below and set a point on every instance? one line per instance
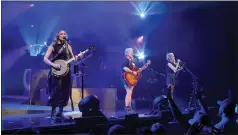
(67, 40)
(135, 57)
(178, 60)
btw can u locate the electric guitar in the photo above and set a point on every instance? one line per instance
(131, 79)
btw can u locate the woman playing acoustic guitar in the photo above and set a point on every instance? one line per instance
(131, 75)
(127, 66)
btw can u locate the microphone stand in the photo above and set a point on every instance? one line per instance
(160, 74)
(82, 79)
(193, 104)
(82, 74)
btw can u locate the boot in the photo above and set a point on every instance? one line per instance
(60, 115)
(53, 111)
(129, 110)
(132, 111)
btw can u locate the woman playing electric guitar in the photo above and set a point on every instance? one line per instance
(131, 74)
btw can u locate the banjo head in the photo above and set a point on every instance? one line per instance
(64, 68)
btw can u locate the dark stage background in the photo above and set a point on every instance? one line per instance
(202, 34)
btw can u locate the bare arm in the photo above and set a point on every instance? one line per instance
(175, 69)
(201, 103)
(47, 55)
(127, 69)
(183, 121)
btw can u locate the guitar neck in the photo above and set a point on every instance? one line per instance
(144, 67)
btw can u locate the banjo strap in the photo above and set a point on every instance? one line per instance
(61, 50)
(67, 49)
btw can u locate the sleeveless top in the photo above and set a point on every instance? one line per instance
(63, 55)
(169, 71)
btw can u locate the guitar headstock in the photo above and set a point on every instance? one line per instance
(92, 48)
(148, 62)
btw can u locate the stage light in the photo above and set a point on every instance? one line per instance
(141, 55)
(140, 39)
(142, 15)
(32, 5)
(37, 49)
(32, 26)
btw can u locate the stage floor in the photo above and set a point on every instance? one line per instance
(39, 116)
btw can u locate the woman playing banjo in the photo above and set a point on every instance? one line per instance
(59, 87)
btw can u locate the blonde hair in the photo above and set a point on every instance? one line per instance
(168, 56)
(127, 51)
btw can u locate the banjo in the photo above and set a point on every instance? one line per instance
(64, 67)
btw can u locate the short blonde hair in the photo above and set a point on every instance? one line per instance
(127, 51)
(168, 56)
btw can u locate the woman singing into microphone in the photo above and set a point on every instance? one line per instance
(172, 68)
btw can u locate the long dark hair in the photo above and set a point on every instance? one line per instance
(56, 38)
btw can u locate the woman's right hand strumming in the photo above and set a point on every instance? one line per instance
(134, 73)
(58, 66)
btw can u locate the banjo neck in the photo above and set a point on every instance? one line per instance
(76, 57)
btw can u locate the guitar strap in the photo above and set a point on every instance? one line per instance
(59, 52)
(67, 49)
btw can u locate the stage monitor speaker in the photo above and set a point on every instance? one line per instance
(90, 107)
(160, 103)
(106, 96)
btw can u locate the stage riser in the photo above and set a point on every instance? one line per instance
(22, 112)
(79, 128)
(136, 104)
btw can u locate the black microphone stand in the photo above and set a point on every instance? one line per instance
(193, 104)
(82, 78)
(82, 74)
(160, 74)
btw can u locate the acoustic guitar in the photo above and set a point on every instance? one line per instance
(131, 79)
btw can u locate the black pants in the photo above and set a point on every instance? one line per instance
(60, 89)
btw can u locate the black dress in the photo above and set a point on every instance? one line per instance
(170, 75)
(59, 87)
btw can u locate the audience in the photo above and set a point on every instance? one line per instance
(27, 131)
(200, 123)
(157, 128)
(144, 131)
(116, 130)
